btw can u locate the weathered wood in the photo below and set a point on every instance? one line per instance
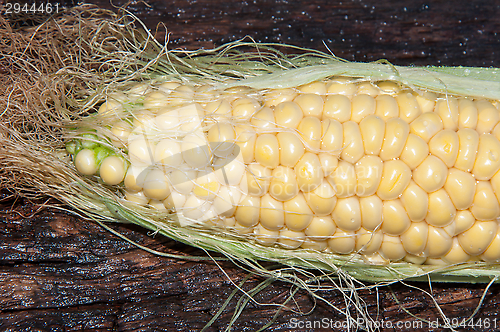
(61, 273)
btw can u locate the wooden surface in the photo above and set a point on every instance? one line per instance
(61, 273)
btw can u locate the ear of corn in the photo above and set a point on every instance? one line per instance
(340, 165)
(368, 170)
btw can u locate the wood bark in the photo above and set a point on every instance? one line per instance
(59, 272)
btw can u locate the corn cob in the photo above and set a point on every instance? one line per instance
(338, 165)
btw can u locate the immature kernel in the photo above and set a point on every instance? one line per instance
(342, 242)
(320, 228)
(272, 215)
(468, 140)
(310, 131)
(461, 187)
(444, 145)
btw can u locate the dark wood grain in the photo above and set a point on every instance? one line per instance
(61, 273)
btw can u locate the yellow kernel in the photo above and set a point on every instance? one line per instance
(477, 238)
(308, 172)
(487, 158)
(485, 205)
(248, 211)
(342, 242)
(245, 107)
(468, 140)
(112, 170)
(289, 239)
(337, 107)
(368, 174)
(467, 114)
(156, 185)
(367, 88)
(141, 152)
(368, 242)
(456, 254)
(347, 214)
(426, 101)
(392, 248)
(182, 181)
(371, 212)
(444, 145)
(431, 174)
(343, 179)
(246, 138)
(415, 201)
(426, 125)
(85, 162)
(219, 107)
(311, 104)
(288, 114)
(463, 221)
(386, 107)
(322, 200)
(291, 148)
(328, 162)
(320, 228)
(310, 131)
(353, 142)
(487, 116)
(267, 150)
(137, 197)
(283, 184)
(414, 151)
(277, 96)
(258, 179)
(441, 211)
(395, 177)
(409, 109)
(264, 120)
(341, 86)
(396, 133)
(265, 236)
(492, 253)
(222, 138)
(461, 187)
(227, 200)
(372, 130)
(318, 88)
(272, 215)
(395, 220)
(331, 136)
(362, 106)
(438, 242)
(414, 239)
(447, 109)
(206, 186)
